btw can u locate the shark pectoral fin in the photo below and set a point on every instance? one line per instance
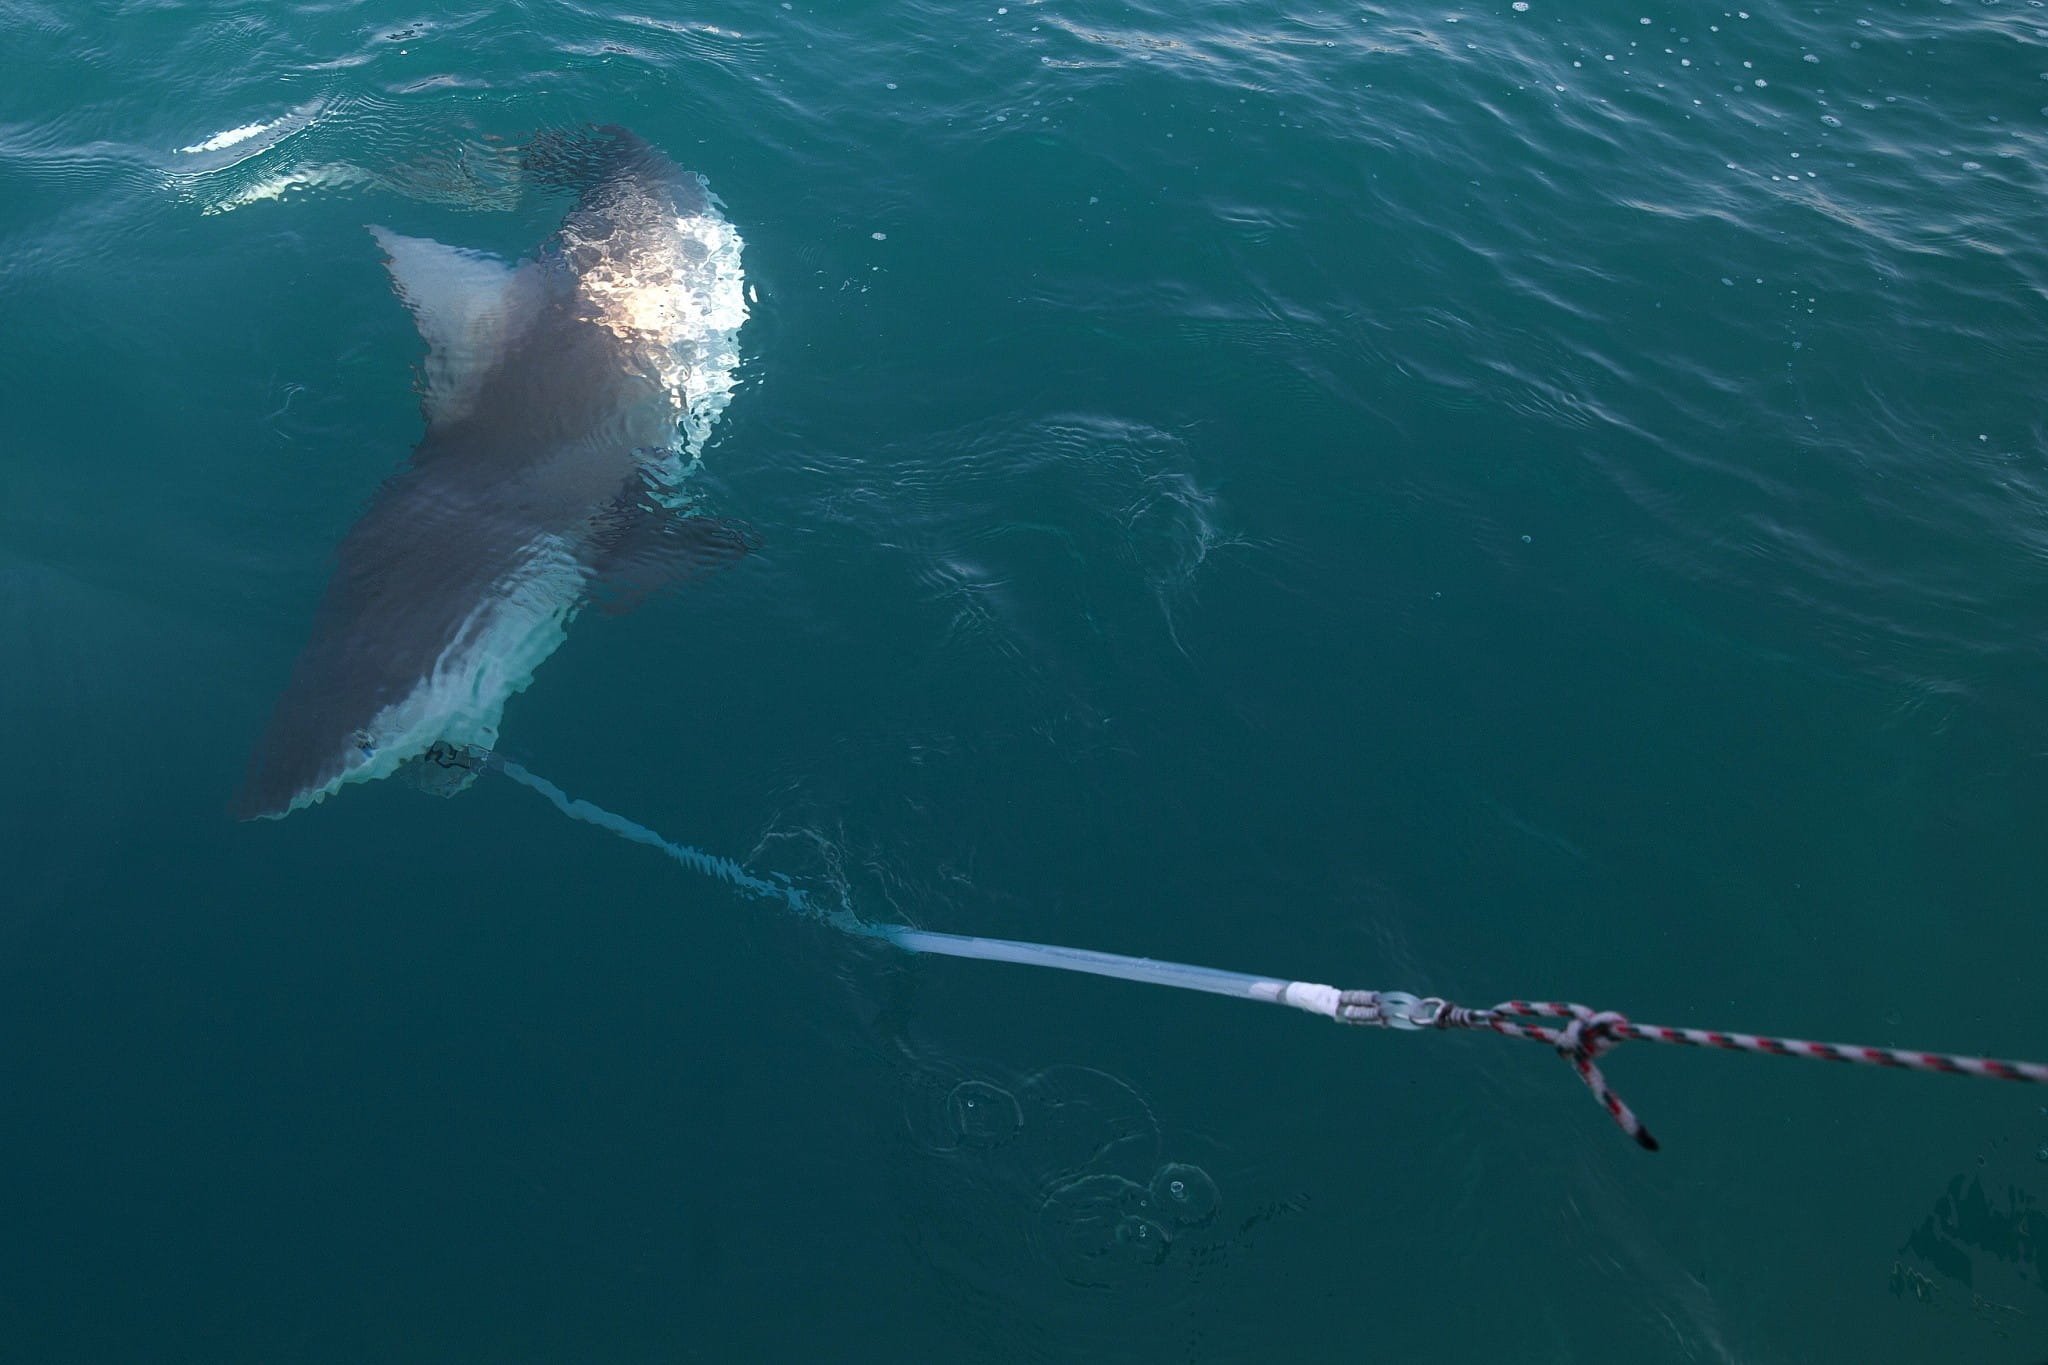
(656, 549)
(466, 306)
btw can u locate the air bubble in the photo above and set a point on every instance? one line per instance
(983, 1115)
(1095, 1229)
(1143, 1240)
(1185, 1194)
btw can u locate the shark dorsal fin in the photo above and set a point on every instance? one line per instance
(466, 306)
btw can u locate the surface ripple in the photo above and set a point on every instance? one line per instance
(1563, 488)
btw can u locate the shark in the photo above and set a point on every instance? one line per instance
(566, 398)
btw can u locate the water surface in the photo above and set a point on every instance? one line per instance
(1488, 500)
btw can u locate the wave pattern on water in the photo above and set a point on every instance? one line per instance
(1579, 468)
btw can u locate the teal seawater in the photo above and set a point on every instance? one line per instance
(1476, 499)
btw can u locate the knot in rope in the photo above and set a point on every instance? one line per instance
(1590, 1033)
(1580, 1042)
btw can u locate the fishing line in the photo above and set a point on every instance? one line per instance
(912, 940)
(1580, 1041)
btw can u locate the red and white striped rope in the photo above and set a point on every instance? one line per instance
(1591, 1033)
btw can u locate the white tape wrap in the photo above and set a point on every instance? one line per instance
(1307, 995)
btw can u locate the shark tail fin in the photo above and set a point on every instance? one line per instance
(467, 306)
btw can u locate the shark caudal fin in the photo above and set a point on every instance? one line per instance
(469, 306)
